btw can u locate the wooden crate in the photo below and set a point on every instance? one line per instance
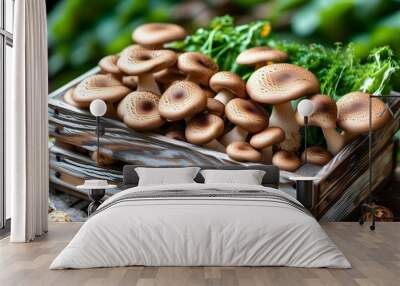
(338, 187)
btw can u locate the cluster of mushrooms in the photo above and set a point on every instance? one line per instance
(184, 96)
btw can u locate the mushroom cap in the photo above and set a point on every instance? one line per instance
(247, 115)
(286, 160)
(169, 75)
(215, 107)
(100, 86)
(258, 55)
(268, 137)
(109, 64)
(123, 107)
(279, 83)
(204, 128)
(141, 112)
(130, 81)
(156, 34)
(68, 98)
(103, 159)
(353, 112)
(130, 48)
(230, 81)
(317, 155)
(243, 151)
(198, 66)
(325, 112)
(140, 61)
(182, 99)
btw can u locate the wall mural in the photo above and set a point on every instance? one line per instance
(228, 94)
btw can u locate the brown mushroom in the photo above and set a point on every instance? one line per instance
(181, 100)
(68, 98)
(122, 107)
(203, 129)
(130, 81)
(352, 117)
(243, 151)
(108, 64)
(143, 63)
(129, 49)
(155, 35)
(198, 67)
(99, 86)
(103, 159)
(169, 75)
(140, 111)
(248, 116)
(286, 160)
(265, 139)
(278, 84)
(261, 56)
(317, 155)
(324, 116)
(215, 107)
(353, 114)
(228, 85)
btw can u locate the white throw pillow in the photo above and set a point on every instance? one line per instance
(166, 176)
(247, 177)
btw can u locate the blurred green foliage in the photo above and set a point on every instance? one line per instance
(81, 32)
(339, 69)
(367, 23)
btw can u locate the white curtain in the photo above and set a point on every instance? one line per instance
(26, 123)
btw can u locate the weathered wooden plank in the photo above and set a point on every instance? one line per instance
(340, 206)
(340, 175)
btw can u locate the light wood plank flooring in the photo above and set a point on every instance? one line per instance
(375, 257)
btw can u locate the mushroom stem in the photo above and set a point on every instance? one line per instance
(260, 65)
(215, 145)
(283, 116)
(335, 141)
(237, 134)
(224, 96)
(267, 155)
(146, 82)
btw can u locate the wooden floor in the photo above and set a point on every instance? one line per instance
(375, 257)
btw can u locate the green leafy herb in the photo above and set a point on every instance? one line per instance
(340, 71)
(223, 42)
(338, 68)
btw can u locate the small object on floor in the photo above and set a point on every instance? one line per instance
(59, 216)
(370, 208)
(381, 214)
(72, 206)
